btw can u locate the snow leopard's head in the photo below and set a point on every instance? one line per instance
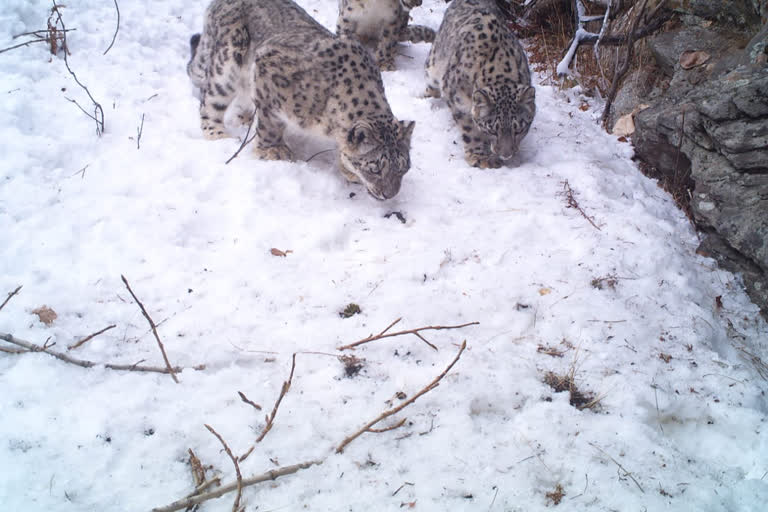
(377, 154)
(504, 112)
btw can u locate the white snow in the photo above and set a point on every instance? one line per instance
(501, 247)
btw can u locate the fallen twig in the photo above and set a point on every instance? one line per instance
(271, 416)
(117, 28)
(139, 131)
(270, 419)
(154, 329)
(249, 402)
(236, 505)
(89, 337)
(31, 347)
(98, 112)
(432, 385)
(288, 470)
(245, 142)
(318, 153)
(383, 334)
(387, 429)
(10, 296)
(264, 477)
(571, 202)
(626, 473)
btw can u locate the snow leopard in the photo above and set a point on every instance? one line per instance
(477, 64)
(293, 71)
(382, 24)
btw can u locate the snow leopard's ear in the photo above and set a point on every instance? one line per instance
(481, 104)
(360, 138)
(528, 96)
(194, 41)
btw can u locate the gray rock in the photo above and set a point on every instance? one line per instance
(725, 143)
(741, 13)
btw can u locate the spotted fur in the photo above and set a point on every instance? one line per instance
(479, 67)
(295, 72)
(381, 24)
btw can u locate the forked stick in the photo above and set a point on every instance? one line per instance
(432, 385)
(383, 334)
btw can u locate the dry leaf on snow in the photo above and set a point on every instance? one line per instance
(45, 314)
(278, 252)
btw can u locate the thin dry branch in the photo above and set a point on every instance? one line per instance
(198, 471)
(387, 429)
(432, 385)
(247, 482)
(246, 140)
(31, 347)
(10, 296)
(571, 202)
(383, 334)
(98, 112)
(626, 473)
(622, 70)
(139, 132)
(117, 28)
(249, 402)
(271, 416)
(154, 329)
(89, 337)
(236, 505)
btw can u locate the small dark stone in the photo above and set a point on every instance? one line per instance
(399, 216)
(350, 310)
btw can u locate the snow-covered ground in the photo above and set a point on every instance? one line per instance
(654, 330)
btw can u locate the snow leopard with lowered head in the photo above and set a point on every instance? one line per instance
(296, 72)
(382, 24)
(481, 70)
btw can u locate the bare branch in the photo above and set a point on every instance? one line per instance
(27, 43)
(573, 203)
(621, 71)
(98, 112)
(626, 473)
(387, 429)
(154, 329)
(139, 131)
(432, 385)
(10, 296)
(415, 332)
(283, 391)
(249, 402)
(236, 505)
(245, 142)
(89, 338)
(31, 347)
(247, 482)
(117, 28)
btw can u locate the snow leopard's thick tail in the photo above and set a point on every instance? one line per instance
(418, 34)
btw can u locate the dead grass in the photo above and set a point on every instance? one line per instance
(680, 185)
(352, 365)
(556, 495)
(606, 282)
(580, 399)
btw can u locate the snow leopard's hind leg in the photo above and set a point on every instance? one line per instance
(224, 56)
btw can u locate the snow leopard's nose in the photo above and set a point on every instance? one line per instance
(505, 147)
